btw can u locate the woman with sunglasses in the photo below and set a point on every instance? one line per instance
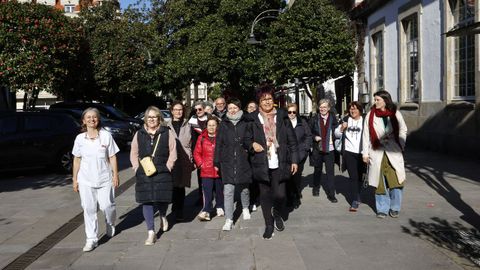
(304, 140)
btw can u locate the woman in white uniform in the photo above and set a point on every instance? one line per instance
(95, 175)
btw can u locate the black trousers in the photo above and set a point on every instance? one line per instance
(329, 160)
(178, 199)
(272, 196)
(355, 167)
(294, 186)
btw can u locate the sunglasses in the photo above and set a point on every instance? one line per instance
(292, 112)
(198, 109)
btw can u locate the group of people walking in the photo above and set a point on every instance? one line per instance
(259, 153)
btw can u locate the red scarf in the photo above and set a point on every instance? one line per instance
(324, 130)
(393, 119)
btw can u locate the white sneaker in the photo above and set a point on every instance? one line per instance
(220, 212)
(110, 230)
(254, 208)
(89, 246)
(151, 238)
(246, 214)
(164, 223)
(204, 216)
(228, 225)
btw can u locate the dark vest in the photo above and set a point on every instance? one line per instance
(146, 145)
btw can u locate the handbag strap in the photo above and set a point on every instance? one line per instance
(156, 144)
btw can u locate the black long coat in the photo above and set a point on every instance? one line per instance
(159, 186)
(287, 151)
(304, 138)
(315, 159)
(231, 152)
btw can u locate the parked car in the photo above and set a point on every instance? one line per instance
(109, 111)
(167, 115)
(37, 139)
(122, 132)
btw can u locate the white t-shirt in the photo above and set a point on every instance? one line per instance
(95, 170)
(353, 134)
(272, 150)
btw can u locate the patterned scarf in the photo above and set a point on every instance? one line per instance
(324, 129)
(269, 126)
(373, 135)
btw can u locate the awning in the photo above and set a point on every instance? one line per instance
(464, 30)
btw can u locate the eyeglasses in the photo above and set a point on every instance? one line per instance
(292, 112)
(267, 99)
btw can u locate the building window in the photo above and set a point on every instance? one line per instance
(411, 33)
(69, 8)
(378, 58)
(463, 14)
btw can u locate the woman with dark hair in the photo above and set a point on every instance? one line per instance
(182, 170)
(384, 137)
(323, 126)
(231, 158)
(203, 155)
(95, 175)
(156, 140)
(304, 140)
(350, 134)
(274, 157)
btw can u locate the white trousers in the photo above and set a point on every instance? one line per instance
(89, 197)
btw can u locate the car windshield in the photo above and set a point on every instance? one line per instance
(117, 111)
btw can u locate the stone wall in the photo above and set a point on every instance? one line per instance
(454, 128)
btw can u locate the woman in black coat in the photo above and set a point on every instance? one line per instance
(304, 140)
(274, 157)
(231, 157)
(155, 191)
(323, 126)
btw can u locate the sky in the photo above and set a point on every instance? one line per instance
(124, 3)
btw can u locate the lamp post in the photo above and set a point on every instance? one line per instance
(266, 14)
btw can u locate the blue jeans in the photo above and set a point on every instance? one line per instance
(391, 200)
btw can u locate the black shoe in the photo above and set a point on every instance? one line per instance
(315, 193)
(268, 234)
(278, 222)
(332, 199)
(394, 214)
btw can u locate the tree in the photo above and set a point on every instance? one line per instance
(38, 48)
(311, 40)
(120, 47)
(206, 41)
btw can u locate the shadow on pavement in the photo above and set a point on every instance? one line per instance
(435, 179)
(38, 178)
(465, 242)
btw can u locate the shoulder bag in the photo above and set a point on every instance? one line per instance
(147, 162)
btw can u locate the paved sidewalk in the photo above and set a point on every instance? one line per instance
(438, 229)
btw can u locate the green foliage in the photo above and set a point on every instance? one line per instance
(120, 47)
(313, 39)
(39, 47)
(206, 41)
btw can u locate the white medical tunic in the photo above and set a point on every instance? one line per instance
(95, 170)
